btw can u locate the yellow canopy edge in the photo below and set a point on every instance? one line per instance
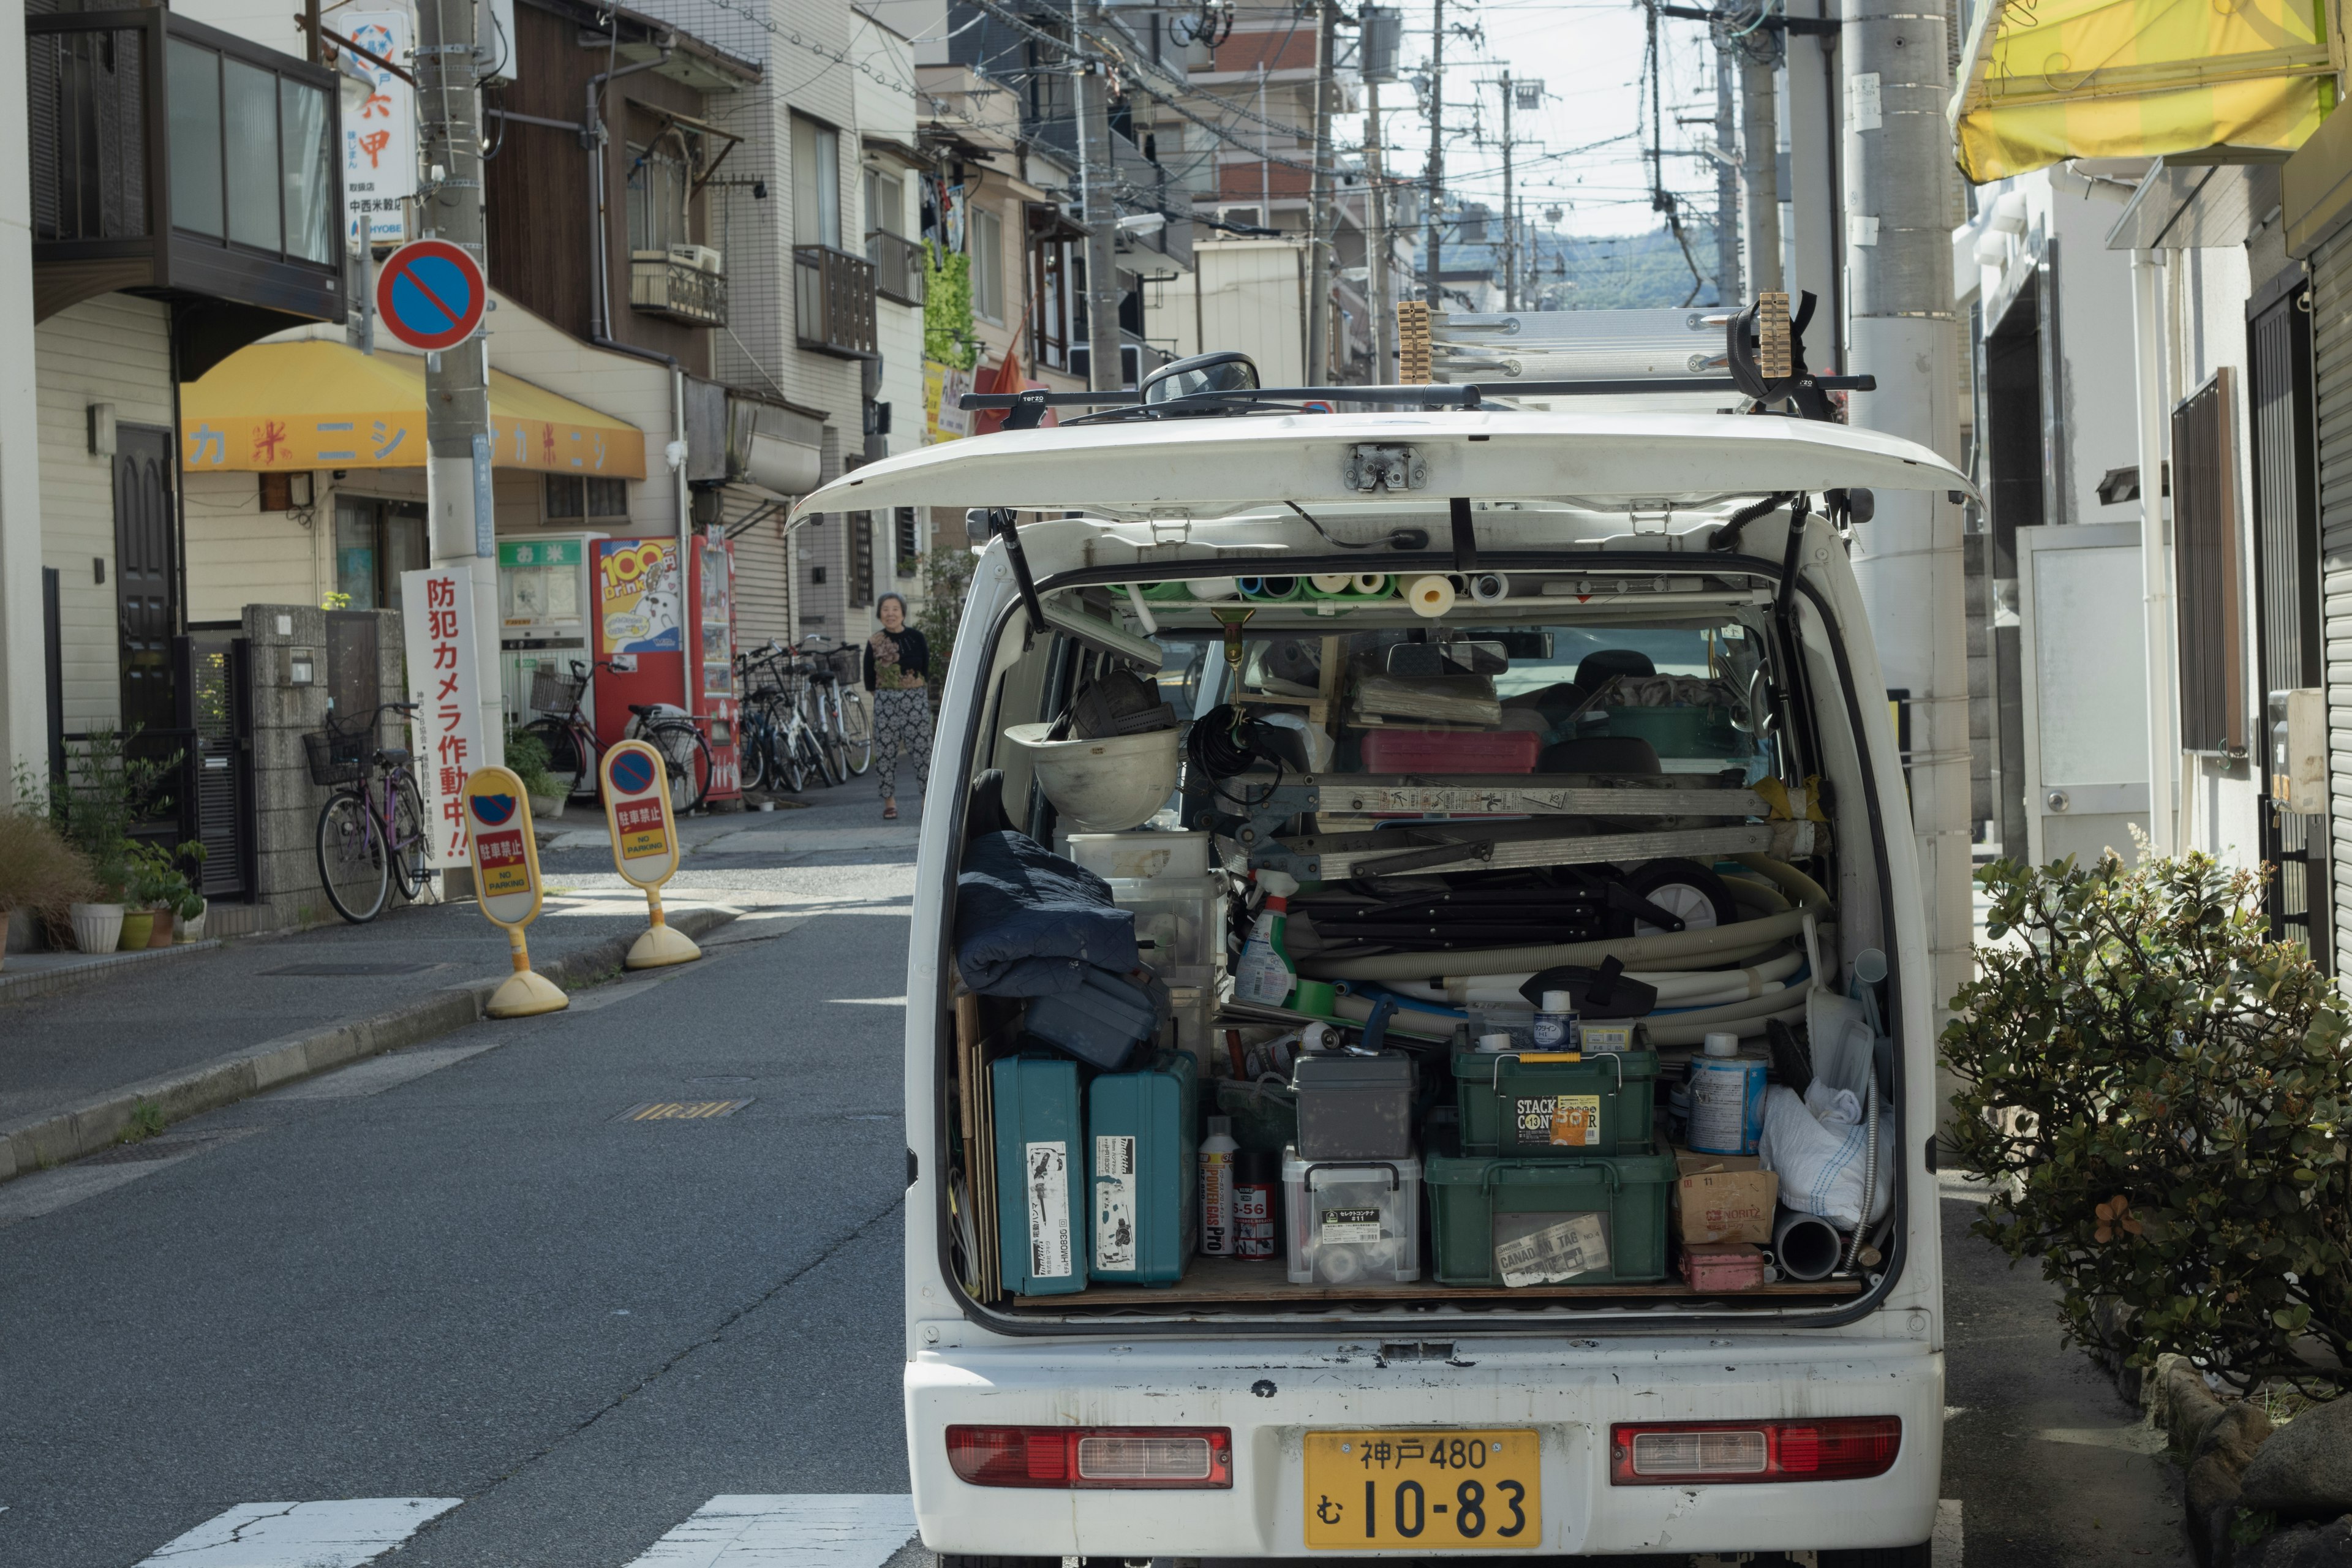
(2044, 80)
(318, 404)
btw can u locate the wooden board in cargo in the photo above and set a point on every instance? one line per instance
(1436, 1490)
(505, 855)
(637, 811)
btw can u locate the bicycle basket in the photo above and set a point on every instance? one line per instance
(552, 692)
(847, 663)
(336, 756)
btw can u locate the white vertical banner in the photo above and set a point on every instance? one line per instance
(445, 685)
(379, 125)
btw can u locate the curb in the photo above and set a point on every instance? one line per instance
(57, 1136)
(42, 982)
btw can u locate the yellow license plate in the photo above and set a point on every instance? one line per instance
(1436, 1490)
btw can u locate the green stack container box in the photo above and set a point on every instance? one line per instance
(1555, 1105)
(1511, 1221)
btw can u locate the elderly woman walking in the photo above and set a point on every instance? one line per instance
(896, 663)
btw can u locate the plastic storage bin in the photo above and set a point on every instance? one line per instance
(1548, 1222)
(1352, 1222)
(1139, 856)
(1100, 1023)
(1141, 1169)
(1398, 751)
(1555, 1105)
(1354, 1108)
(1179, 922)
(1041, 1201)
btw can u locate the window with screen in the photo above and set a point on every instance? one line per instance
(581, 498)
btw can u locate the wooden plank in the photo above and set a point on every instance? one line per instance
(1230, 1281)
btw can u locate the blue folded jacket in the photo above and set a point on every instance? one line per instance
(1030, 923)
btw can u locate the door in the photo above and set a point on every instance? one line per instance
(217, 719)
(146, 598)
(2080, 623)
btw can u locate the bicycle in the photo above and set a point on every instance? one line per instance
(573, 753)
(776, 725)
(368, 840)
(845, 728)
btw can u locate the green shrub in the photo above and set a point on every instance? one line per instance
(2159, 1094)
(947, 582)
(527, 757)
(38, 870)
(947, 335)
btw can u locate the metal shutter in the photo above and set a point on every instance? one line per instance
(2331, 319)
(2206, 569)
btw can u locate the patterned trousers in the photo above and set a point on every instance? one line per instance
(902, 723)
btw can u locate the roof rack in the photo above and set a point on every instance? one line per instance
(1764, 359)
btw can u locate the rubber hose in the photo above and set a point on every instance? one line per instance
(1404, 1021)
(1746, 1007)
(1808, 893)
(1762, 897)
(1745, 937)
(1672, 1032)
(1672, 985)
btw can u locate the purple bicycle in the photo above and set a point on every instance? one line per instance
(373, 831)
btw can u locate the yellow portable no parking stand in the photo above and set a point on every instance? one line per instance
(644, 845)
(506, 879)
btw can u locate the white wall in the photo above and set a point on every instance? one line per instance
(113, 349)
(24, 686)
(1249, 297)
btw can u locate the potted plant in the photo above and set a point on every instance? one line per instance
(192, 918)
(40, 873)
(527, 757)
(104, 793)
(160, 886)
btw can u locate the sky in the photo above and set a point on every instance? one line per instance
(1589, 56)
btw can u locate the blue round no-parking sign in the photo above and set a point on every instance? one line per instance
(430, 294)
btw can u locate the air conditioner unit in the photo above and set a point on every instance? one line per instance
(701, 257)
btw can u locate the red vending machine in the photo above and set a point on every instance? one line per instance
(655, 611)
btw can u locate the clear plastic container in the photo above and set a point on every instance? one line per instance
(1141, 856)
(1179, 922)
(1352, 1222)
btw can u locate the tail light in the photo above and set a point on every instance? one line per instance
(1679, 1453)
(1093, 1458)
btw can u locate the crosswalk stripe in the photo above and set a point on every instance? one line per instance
(343, 1534)
(834, 1530)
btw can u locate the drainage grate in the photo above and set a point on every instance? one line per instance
(325, 971)
(682, 1110)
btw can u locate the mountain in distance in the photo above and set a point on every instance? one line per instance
(1622, 271)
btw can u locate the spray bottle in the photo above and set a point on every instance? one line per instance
(1267, 976)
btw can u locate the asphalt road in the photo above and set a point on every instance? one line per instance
(455, 1283)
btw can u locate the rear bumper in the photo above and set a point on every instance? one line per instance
(1571, 1390)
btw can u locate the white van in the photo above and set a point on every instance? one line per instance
(1670, 673)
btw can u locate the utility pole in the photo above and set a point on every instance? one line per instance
(457, 380)
(1319, 228)
(1760, 162)
(1429, 284)
(1377, 250)
(1728, 286)
(1510, 237)
(1908, 561)
(1097, 209)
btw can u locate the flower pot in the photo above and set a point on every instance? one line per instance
(546, 807)
(161, 934)
(96, 927)
(192, 930)
(138, 929)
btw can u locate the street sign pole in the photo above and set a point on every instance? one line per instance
(506, 880)
(456, 378)
(644, 845)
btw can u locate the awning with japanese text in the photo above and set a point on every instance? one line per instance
(319, 404)
(2044, 80)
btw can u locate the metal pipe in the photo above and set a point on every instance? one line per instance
(1805, 1246)
(2154, 571)
(592, 132)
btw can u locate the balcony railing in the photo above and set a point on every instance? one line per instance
(832, 296)
(164, 154)
(900, 267)
(662, 283)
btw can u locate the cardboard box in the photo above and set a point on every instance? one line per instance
(1723, 1197)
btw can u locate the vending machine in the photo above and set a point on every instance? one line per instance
(659, 610)
(546, 596)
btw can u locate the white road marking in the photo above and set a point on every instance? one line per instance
(2139, 1438)
(375, 1074)
(1946, 1539)
(339, 1534)
(867, 1002)
(846, 1529)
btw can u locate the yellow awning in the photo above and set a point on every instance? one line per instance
(2043, 81)
(318, 404)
